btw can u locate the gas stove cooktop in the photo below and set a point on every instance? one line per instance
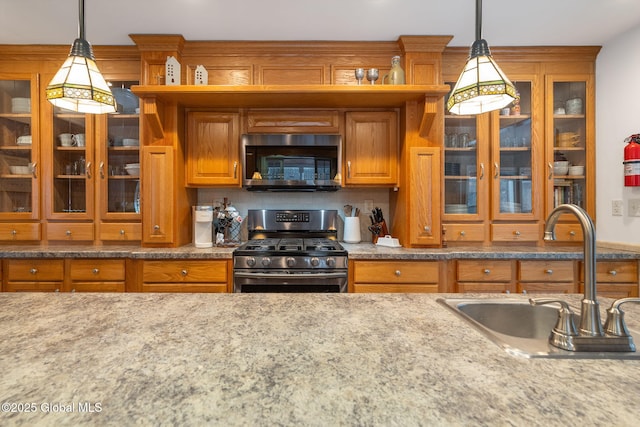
(292, 245)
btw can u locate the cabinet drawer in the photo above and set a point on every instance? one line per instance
(395, 272)
(547, 288)
(97, 287)
(97, 269)
(546, 271)
(568, 233)
(401, 288)
(465, 232)
(614, 272)
(484, 271)
(293, 121)
(20, 232)
(33, 286)
(184, 271)
(515, 232)
(125, 231)
(482, 287)
(70, 231)
(185, 287)
(33, 270)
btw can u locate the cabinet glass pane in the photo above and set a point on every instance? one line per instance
(515, 154)
(460, 165)
(122, 165)
(569, 185)
(69, 162)
(16, 159)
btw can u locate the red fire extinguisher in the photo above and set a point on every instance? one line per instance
(632, 161)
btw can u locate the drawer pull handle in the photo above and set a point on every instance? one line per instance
(613, 272)
(549, 271)
(481, 170)
(487, 271)
(398, 273)
(122, 232)
(184, 273)
(33, 271)
(463, 233)
(88, 170)
(73, 291)
(156, 227)
(34, 165)
(572, 233)
(516, 233)
(496, 170)
(57, 290)
(14, 232)
(235, 170)
(349, 169)
(95, 271)
(101, 167)
(68, 232)
(427, 228)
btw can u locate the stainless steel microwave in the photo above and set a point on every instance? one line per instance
(291, 162)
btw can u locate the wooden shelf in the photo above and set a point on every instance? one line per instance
(292, 96)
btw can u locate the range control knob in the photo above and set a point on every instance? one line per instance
(266, 261)
(251, 261)
(331, 262)
(291, 261)
(315, 261)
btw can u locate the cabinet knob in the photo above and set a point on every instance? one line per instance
(487, 271)
(613, 272)
(184, 273)
(95, 271)
(572, 233)
(427, 228)
(549, 271)
(33, 271)
(398, 273)
(156, 227)
(57, 290)
(463, 233)
(68, 232)
(122, 232)
(516, 233)
(73, 291)
(14, 232)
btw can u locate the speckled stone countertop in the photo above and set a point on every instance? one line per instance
(356, 251)
(285, 360)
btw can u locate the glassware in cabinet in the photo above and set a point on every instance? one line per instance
(19, 145)
(513, 174)
(71, 166)
(569, 168)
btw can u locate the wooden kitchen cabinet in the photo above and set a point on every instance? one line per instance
(546, 277)
(293, 121)
(424, 190)
(29, 275)
(96, 275)
(19, 157)
(485, 276)
(394, 276)
(213, 149)
(615, 279)
(157, 194)
(371, 148)
(186, 276)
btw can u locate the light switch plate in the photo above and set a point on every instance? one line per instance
(616, 207)
(634, 207)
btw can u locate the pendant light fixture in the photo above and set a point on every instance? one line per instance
(78, 85)
(482, 86)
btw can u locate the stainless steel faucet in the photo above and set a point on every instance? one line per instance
(589, 336)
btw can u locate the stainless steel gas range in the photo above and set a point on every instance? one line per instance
(290, 251)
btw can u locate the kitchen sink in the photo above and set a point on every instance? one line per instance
(520, 328)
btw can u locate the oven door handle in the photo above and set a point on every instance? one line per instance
(290, 276)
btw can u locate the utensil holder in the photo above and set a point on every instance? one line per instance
(352, 229)
(378, 229)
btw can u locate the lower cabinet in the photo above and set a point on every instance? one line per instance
(186, 276)
(97, 275)
(394, 276)
(33, 275)
(492, 276)
(615, 279)
(546, 277)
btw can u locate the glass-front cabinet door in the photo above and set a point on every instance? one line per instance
(70, 195)
(465, 166)
(19, 147)
(570, 131)
(513, 161)
(118, 157)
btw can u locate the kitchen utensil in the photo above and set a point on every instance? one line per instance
(348, 210)
(359, 75)
(372, 75)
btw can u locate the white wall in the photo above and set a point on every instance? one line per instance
(617, 117)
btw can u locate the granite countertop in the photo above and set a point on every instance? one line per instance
(286, 359)
(356, 251)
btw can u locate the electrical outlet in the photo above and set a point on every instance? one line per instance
(368, 206)
(616, 208)
(634, 207)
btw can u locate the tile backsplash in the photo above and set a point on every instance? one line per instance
(244, 200)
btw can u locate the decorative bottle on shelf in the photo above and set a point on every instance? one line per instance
(396, 73)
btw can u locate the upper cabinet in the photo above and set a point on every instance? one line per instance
(371, 148)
